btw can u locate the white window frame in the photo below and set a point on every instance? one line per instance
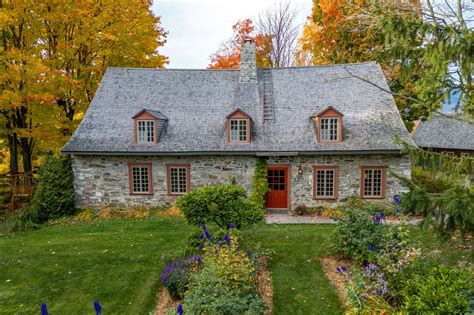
(235, 135)
(146, 133)
(332, 129)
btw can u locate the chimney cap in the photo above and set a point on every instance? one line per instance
(248, 40)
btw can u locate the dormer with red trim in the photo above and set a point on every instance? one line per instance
(238, 127)
(148, 126)
(329, 125)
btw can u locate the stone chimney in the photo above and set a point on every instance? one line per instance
(248, 62)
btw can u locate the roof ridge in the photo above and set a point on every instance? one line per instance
(282, 68)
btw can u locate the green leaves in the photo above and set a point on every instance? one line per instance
(221, 204)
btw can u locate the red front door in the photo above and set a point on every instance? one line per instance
(277, 177)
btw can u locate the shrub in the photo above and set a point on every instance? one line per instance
(54, 195)
(176, 275)
(358, 236)
(226, 282)
(222, 204)
(430, 183)
(442, 290)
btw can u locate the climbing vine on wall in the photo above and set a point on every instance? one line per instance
(259, 183)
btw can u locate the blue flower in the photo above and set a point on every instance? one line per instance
(344, 268)
(179, 309)
(378, 218)
(206, 232)
(372, 248)
(396, 200)
(382, 214)
(219, 243)
(200, 237)
(97, 308)
(44, 309)
(226, 239)
(232, 226)
(201, 246)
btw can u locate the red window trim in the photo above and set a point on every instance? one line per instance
(384, 181)
(155, 134)
(336, 181)
(150, 178)
(168, 178)
(238, 115)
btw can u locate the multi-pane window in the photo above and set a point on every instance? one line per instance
(329, 129)
(145, 131)
(140, 179)
(238, 130)
(178, 177)
(325, 182)
(372, 182)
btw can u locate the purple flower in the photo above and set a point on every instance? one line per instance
(382, 214)
(179, 309)
(44, 309)
(344, 268)
(201, 246)
(200, 237)
(232, 226)
(219, 243)
(206, 232)
(372, 248)
(338, 269)
(226, 239)
(396, 200)
(97, 308)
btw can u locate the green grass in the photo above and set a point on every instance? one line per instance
(118, 262)
(299, 283)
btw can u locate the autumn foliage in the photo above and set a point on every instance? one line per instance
(53, 55)
(228, 55)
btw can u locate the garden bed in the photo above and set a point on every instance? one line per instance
(164, 302)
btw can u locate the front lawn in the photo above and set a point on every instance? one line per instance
(118, 262)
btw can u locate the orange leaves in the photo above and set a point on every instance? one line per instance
(228, 55)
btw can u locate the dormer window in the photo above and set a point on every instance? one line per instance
(238, 130)
(148, 126)
(145, 131)
(329, 129)
(329, 125)
(238, 127)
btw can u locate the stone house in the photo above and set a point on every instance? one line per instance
(151, 135)
(446, 135)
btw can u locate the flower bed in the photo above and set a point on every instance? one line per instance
(220, 277)
(389, 272)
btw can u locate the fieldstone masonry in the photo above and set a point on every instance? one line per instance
(102, 181)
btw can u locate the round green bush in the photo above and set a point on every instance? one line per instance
(223, 205)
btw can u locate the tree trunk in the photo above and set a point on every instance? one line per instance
(26, 152)
(13, 149)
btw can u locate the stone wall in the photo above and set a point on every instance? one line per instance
(102, 181)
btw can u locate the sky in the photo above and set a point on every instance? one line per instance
(198, 27)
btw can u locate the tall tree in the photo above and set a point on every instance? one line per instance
(279, 24)
(228, 55)
(53, 56)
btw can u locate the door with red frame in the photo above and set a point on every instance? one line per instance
(278, 185)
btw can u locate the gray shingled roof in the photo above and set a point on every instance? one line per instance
(196, 103)
(444, 133)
